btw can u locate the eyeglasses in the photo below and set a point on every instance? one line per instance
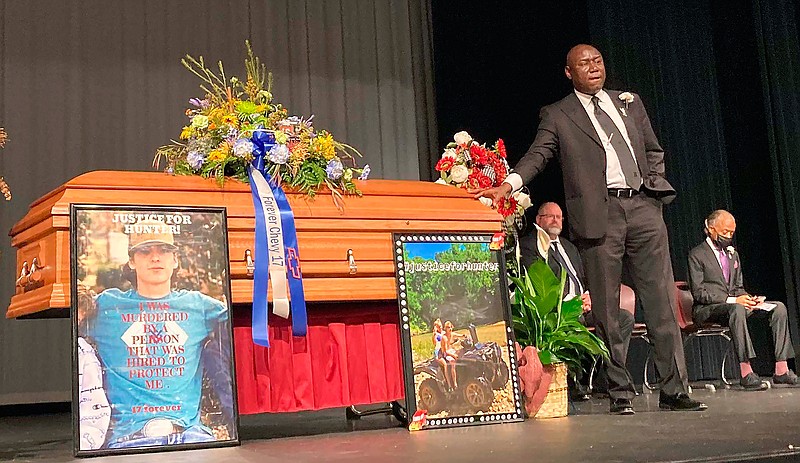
(551, 216)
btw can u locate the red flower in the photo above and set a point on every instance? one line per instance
(500, 174)
(444, 164)
(478, 179)
(478, 154)
(507, 207)
(501, 148)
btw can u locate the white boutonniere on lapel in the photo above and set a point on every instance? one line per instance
(627, 98)
(730, 250)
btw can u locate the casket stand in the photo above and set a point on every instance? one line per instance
(351, 354)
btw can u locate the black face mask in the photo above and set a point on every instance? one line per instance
(722, 242)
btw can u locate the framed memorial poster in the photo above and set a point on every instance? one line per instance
(153, 365)
(458, 341)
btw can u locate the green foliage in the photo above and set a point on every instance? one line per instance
(434, 295)
(543, 320)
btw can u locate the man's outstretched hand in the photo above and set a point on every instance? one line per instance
(496, 194)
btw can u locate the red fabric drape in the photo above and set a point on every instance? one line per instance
(351, 355)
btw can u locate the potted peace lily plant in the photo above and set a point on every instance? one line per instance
(543, 320)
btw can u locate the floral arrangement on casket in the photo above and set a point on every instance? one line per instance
(468, 164)
(237, 131)
(237, 123)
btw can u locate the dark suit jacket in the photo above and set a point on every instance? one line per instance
(706, 281)
(529, 254)
(566, 131)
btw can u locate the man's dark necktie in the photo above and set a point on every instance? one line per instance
(573, 285)
(629, 168)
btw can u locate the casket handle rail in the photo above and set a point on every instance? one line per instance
(352, 262)
(29, 276)
(250, 264)
(23, 274)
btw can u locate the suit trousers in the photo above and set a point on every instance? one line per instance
(735, 316)
(636, 237)
(626, 323)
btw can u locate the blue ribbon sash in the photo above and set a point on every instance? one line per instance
(277, 256)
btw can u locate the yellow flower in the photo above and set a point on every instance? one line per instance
(230, 119)
(216, 155)
(186, 133)
(323, 145)
(220, 153)
(281, 137)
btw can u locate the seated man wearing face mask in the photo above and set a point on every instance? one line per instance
(715, 278)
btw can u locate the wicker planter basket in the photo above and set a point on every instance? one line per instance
(556, 403)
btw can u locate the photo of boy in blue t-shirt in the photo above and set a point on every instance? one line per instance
(161, 349)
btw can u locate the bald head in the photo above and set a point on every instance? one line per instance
(585, 69)
(719, 217)
(720, 227)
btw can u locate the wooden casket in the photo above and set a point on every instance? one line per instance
(347, 264)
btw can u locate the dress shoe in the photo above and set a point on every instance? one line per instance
(621, 407)
(752, 382)
(680, 402)
(789, 379)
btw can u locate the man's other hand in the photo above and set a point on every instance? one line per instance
(496, 194)
(587, 302)
(746, 300)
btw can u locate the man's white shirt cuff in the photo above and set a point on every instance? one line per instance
(514, 180)
(730, 300)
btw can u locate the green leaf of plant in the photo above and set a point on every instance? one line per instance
(548, 358)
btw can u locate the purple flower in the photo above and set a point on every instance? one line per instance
(279, 154)
(195, 159)
(199, 103)
(243, 147)
(335, 169)
(365, 173)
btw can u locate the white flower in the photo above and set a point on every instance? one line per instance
(459, 173)
(449, 153)
(242, 147)
(730, 250)
(442, 182)
(279, 154)
(627, 97)
(462, 138)
(523, 199)
(486, 201)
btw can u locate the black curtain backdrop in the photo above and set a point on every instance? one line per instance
(778, 46)
(495, 67)
(719, 79)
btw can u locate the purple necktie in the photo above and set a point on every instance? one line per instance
(726, 265)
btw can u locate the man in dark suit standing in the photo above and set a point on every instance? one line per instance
(715, 278)
(613, 169)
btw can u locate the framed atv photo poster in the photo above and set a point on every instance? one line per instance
(455, 321)
(151, 322)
